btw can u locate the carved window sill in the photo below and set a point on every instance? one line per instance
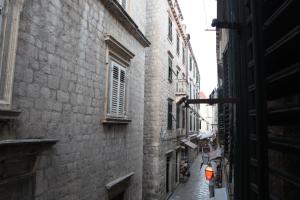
(9, 114)
(112, 120)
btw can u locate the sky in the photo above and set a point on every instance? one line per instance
(198, 15)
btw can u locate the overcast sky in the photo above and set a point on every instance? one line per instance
(198, 15)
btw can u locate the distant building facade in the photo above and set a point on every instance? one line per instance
(214, 110)
(74, 71)
(171, 77)
(205, 113)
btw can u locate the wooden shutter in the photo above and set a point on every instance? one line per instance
(117, 90)
(169, 115)
(114, 90)
(170, 29)
(122, 92)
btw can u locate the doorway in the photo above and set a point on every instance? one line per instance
(168, 174)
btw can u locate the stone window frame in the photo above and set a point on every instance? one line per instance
(116, 54)
(10, 13)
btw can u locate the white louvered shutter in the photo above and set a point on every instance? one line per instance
(117, 90)
(114, 87)
(122, 92)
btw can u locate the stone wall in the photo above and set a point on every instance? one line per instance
(59, 86)
(158, 141)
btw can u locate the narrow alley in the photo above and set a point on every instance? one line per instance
(149, 99)
(196, 188)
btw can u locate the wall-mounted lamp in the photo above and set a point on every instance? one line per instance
(209, 173)
(220, 24)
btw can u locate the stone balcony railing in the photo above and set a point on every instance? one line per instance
(181, 87)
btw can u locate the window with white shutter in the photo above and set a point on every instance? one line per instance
(117, 97)
(9, 26)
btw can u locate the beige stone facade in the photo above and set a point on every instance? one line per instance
(69, 58)
(166, 84)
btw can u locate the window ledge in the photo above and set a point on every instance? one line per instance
(113, 120)
(9, 114)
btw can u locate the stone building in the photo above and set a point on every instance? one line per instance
(166, 121)
(205, 112)
(74, 72)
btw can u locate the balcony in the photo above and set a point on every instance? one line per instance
(181, 87)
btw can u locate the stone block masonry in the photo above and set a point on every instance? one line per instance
(159, 142)
(59, 86)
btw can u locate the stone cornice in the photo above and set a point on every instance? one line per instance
(118, 47)
(179, 25)
(185, 38)
(122, 16)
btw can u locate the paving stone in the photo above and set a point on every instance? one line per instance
(196, 188)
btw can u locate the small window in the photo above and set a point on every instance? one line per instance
(194, 72)
(183, 118)
(177, 44)
(177, 116)
(170, 63)
(191, 121)
(117, 90)
(183, 55)
(191, 63)
(170, 34)
(169, 115)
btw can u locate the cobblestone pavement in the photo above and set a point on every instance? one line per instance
(196, 188)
